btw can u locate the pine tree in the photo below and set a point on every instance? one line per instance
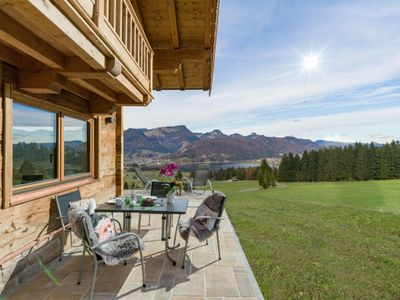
(265, 177)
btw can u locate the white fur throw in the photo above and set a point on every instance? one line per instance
(113, 252)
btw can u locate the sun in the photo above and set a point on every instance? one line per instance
(310, 62)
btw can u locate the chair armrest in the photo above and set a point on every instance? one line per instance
(149, 184)
(187, 180)
(118, 237)
(119, 224)
(207, 217)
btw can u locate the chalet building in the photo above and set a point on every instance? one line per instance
(67, 69)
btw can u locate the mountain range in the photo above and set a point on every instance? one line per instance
(178, 142)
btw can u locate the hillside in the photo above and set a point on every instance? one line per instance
(177, 142)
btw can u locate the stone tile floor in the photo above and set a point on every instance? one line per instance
(205, 277)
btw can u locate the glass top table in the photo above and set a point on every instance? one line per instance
(162, 207)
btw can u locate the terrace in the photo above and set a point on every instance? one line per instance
(204, 277)
(67, 69)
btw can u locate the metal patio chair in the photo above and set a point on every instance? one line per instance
(197, 226)
(63, 202)
(142, 178)
(111, 252)
(199, 181)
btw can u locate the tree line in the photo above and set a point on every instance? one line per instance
(353, 162)
(250, 173)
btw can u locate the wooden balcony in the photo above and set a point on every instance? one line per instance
(95, 49)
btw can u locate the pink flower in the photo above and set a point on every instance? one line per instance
(169, 170)
(169, 173)
(173, 166)
(162, 171)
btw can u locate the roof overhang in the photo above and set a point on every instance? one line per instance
(182, 34)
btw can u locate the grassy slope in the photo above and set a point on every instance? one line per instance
(320, 240)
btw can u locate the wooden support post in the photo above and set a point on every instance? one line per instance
(97, 143)
(61, 150)
(7, 174)
(119, 145)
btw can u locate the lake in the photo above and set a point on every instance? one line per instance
(187, 167)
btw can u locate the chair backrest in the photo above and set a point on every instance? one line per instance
(81, 225)
(139, 173)
(216, 202)
(200, 178)
(158, 189)
(63, 205)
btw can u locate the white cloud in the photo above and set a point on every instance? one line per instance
(258, 70)
(344, 127)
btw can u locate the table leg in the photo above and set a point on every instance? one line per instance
(166, 220)
(163, 220)
(168, 232)
(127, 222)
(139, 223)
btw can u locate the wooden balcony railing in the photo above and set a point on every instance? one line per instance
(119, 26)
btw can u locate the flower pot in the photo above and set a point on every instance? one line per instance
(171, 197)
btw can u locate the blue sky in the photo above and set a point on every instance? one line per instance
(261, 85)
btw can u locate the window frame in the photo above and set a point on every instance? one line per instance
(60, 179)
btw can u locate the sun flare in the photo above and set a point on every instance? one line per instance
(310, 62)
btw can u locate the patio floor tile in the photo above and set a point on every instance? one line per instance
(221, 282)
(204, 277)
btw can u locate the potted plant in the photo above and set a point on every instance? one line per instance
(170, 189)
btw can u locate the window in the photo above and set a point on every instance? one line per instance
(47, 146)
(76, 160)
(34, 137)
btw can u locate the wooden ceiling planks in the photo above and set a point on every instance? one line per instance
(182, 34)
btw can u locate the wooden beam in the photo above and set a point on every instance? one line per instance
(120, 82)
(206, 73)
(49, 83)
(100, 106)
(64, 102)
(76, 89)
(41, 83)
(180, 54)
(207, 24)
(113, 66)
(161, 65)
(157, 82)
(17, 36)
(10, 56)
(173, 24)
(98, 88)
(44, 14)
(76, 68)
(125, 100)
(181, 77)
(127, 87)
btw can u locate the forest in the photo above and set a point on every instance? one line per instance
(353, 162)
(235, 173)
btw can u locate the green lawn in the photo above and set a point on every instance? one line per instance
(320, 240)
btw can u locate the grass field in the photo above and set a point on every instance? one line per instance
(320, 240)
